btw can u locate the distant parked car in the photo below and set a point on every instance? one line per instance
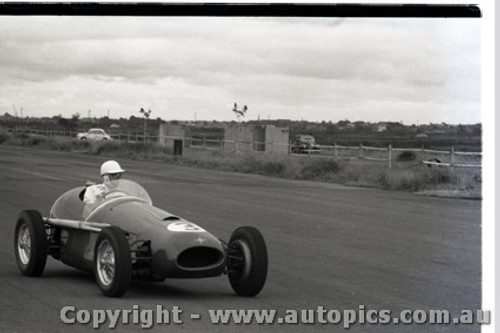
(94, 134)
(305, 144)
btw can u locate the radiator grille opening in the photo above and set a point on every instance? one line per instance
(198, 257)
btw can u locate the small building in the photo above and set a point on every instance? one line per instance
(258, 138)
(174, 136)
(231, 137)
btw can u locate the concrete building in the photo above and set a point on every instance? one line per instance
(236, 137)
(256, 138)
(174, 137)
(277, 139)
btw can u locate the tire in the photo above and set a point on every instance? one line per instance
(247, 261)
(112, 262)
(30, 243)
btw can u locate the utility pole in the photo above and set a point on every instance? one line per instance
(239, 114)
(146, 116)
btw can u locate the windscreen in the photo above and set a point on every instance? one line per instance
(119, 188)
(125, 187)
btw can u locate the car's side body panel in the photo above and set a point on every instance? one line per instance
(69, 205)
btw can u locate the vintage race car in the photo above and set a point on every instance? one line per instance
(124, 237)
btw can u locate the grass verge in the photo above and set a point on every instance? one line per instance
(403, 176)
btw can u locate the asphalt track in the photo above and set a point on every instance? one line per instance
(329, 245)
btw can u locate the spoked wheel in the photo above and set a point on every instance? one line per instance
(112, 262)
(30, 243)
(247, 261)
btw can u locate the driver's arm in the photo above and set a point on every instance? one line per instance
(94, 193)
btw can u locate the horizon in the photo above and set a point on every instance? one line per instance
(242, 121)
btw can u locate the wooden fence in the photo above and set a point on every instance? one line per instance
(362, 152)
(389, 151)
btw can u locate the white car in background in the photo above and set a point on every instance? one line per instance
(94, 134)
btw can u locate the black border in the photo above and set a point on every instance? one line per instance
(241, 9)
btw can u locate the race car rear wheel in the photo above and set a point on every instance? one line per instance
(112, 262)
(30, 243)
(247, 261)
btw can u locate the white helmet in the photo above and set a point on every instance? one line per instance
(111, 167)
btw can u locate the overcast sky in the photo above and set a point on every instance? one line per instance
(409, 70)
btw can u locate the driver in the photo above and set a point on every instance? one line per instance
(111, 171)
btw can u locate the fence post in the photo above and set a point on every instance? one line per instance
(452, 157)
(336, 150)
(390, 156)
(361, 151)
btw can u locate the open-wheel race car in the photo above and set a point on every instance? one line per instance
(125, 237)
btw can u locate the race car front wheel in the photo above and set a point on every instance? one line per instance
(30, 243)
(112, 262)
(247, 261)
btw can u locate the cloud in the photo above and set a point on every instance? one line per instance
(321, 68)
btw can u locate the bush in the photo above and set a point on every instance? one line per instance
(36, 140)
(4, 138)
(439, 176)
(273, 168)
(22, 136)
(108, 147)
(406, 156)
(407, 180)
(319, 168)
(61, 146)
(249, 164)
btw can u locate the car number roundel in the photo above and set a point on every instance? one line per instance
(184, 227)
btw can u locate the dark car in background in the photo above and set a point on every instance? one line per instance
(304, 144)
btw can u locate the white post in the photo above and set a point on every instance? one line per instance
(452, 158)
(390, 156)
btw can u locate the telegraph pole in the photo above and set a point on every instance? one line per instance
(146, 116)
(239, 114)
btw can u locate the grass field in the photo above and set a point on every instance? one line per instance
(407, 173)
